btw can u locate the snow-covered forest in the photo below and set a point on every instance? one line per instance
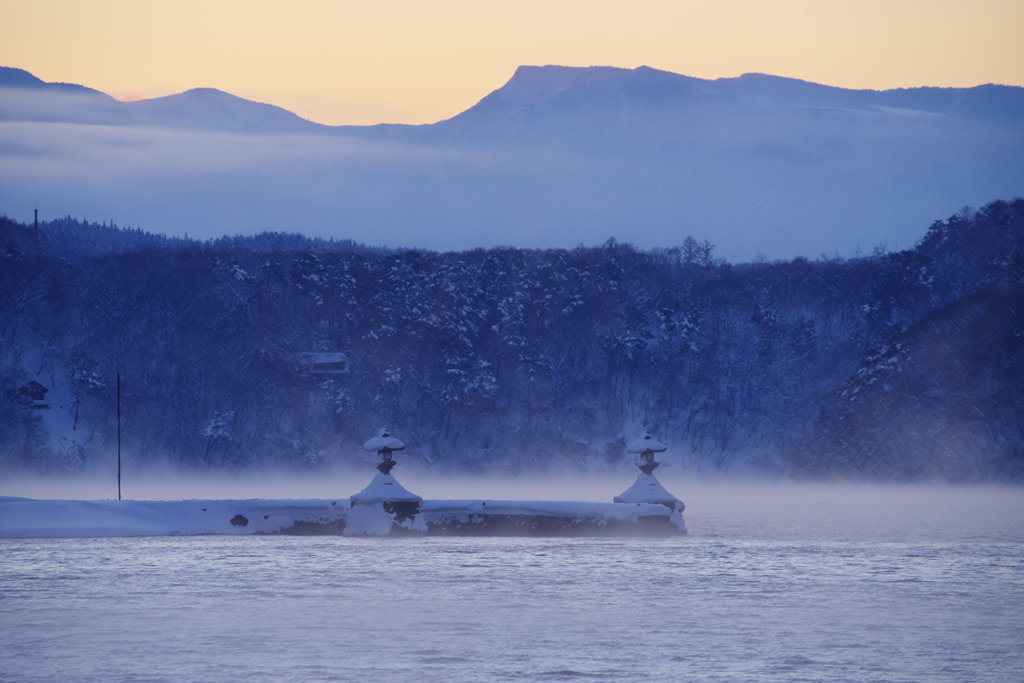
(895, 365)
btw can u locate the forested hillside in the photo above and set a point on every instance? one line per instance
(903, 365)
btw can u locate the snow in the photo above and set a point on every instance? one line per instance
(384, 487)
(368, 520)
(29, 518)
(58, 418)
(677, 518)
(647, 489)
(383, 440)
(647, 443)
(21, 517)
(379, 443)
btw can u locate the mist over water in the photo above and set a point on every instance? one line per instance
(773, 509)
(715, 508)
(776, 581)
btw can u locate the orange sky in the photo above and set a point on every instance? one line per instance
(411, 61)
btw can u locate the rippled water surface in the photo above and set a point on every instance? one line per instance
(836, 587)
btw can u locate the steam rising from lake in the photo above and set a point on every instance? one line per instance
(776, 582)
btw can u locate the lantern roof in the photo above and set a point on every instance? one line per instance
(646, 443)
(383, 441)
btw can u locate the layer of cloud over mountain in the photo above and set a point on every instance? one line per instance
(557, 156)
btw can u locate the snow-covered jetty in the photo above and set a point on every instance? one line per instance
(383, 508)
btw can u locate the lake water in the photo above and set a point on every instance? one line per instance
(792, 584)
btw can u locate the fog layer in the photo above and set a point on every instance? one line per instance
(644, 156)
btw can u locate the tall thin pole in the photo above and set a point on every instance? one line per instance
(119, 436)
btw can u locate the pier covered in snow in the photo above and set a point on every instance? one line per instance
(383, 508)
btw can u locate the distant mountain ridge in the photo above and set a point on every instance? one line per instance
(574, 89)
(195, 108)
(557, 156)
(209, 107)
(11, 77)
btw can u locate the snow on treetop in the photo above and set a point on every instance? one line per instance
(647, 443)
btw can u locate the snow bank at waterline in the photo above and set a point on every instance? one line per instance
(26, 517)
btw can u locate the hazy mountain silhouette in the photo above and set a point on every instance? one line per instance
(11, 77)
(218, 110)
(27, 98)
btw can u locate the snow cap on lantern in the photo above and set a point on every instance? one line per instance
(383, 441)
(647, 446)
(646, 443)
(384, 444)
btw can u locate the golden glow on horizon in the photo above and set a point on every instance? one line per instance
(413, 62)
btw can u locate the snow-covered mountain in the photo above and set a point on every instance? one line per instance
(557, 156)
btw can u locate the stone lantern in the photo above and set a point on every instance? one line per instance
(647, 488)
(384, 489)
